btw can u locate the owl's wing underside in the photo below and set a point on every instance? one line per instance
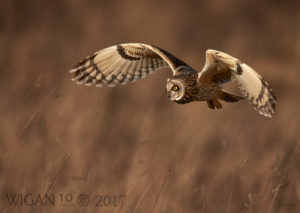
(123, 63)
(221, 68)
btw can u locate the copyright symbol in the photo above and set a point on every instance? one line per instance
(83, 200)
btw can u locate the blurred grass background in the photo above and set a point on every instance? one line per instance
(58, 137)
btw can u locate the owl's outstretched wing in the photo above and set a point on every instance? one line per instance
(123, 63)
(221, 68)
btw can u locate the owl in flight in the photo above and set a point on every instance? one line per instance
(124, 63)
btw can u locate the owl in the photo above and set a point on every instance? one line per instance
(124, 63)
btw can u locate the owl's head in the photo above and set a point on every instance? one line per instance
(175, 89)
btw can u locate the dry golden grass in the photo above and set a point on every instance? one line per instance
(60, 138)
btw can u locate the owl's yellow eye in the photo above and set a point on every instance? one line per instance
(175, 88)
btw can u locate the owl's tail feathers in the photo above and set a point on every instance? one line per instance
(228, 97)
(224, 96)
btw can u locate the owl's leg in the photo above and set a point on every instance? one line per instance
(217, 104)
(212, 103)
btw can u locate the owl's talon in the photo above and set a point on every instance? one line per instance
(210, 104)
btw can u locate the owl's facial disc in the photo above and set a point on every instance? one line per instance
(175, 89)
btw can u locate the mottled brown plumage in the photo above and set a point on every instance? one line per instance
(129, 62)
